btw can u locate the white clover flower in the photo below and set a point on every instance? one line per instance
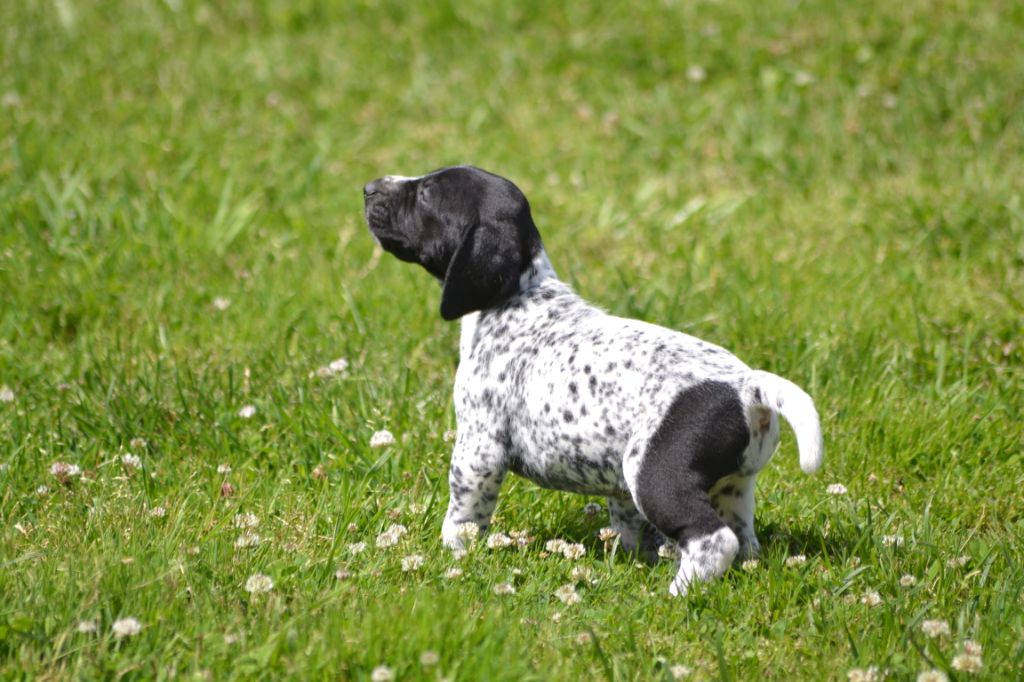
(247, 540)
(972, 648)
(967, 663)
(907, 580)
(333, 368)
(223, 468)
(429, 658)
(391, 536)
(498, 541)
(592, 509)
(87, 627)
(467, 532)
(65, 471)
(892, 540)
(452, 573)
(221, 303)
(137, 443)
(607, 534)
(247, 412)
(459, 554)
(6, 394)
(158, 512)
(356, 547)
(958, 562)
(449, 435)
(555, 546)
(382, 673)
(520, 537)
(871, 674)
(382, 439)
(802, 79)
(246, 521)
(695, 73)
(413, 562)
(417, 508)
(131, 462)
(573, 551)
(342, 574)
(932, 676)
(567, 594)
(750, 564)
(935, 628)
(504, 588)
(836, 489)
(580, 573)
(42, 490)
(796, 560)
(668, 551)
(126, 627)
(385, 540)
(678, 672)
(871, 599)
(583, 638)
(258, 583)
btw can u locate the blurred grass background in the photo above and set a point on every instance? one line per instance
(832, 190)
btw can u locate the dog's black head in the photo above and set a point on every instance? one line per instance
(469, 228)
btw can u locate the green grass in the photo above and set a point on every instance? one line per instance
(839, 200)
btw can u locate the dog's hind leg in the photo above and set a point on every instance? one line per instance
(733, 498)
(700, 440)
(707, 546)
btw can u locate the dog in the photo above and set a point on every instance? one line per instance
(672, 430)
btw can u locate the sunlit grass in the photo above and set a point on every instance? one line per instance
(831, 190)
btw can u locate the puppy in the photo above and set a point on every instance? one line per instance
(670, 429)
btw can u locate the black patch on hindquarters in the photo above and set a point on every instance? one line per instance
(700, 440)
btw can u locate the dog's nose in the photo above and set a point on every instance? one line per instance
(371, 188)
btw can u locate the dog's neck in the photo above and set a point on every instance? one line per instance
(539, 271)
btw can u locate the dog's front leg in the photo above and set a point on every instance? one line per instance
(636, 534)
(478, 467)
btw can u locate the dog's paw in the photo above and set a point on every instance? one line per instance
(678, 587)
(705, 558)
(459, 537)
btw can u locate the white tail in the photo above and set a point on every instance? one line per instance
(789, 400)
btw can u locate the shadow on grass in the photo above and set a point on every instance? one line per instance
(562, 517)
(839, 545)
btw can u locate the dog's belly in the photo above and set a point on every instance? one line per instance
(578, 457)
(572, 472)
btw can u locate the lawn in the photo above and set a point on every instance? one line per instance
(832, 190)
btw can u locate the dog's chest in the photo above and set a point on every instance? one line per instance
(560, 425)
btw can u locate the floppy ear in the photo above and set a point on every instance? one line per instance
(484, 271)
